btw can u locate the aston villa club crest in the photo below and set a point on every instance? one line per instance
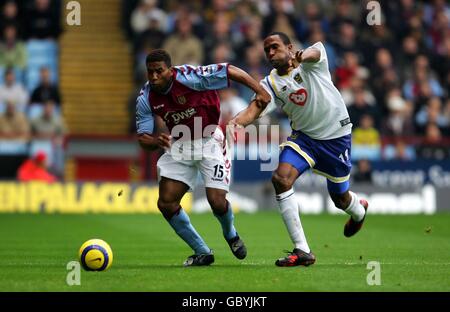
(298, 78)
(181, 100)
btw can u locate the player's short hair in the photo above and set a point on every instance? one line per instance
(159, 55)
(282, 35)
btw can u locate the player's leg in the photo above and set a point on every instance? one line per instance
(222, 210)
(291, 166)
(215, 168)
(175, 180)
(170, 194)
(351, 204)
(334, 162)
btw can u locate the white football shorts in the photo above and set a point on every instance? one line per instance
(184, 160)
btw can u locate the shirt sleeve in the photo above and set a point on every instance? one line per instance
(322, 64)
(202, 78)
(272, 105)
(145, 121)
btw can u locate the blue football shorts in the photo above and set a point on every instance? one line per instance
(329, 158)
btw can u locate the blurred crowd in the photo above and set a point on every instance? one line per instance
(31, 122)
(394, 77)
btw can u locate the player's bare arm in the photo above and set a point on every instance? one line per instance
(238, 75)
(248, 115)
(159, 139)
(152, 142)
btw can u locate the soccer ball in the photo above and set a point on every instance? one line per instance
(95, 255)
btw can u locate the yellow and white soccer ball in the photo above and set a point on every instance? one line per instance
(95, 255)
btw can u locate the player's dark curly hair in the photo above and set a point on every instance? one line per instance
(282, 35)
(159, 55)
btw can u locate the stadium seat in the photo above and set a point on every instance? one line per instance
(35, 110)
(41, 53)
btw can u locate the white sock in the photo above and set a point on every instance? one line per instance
(355, 209)
(289, 211)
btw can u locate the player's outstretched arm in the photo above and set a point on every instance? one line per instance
(248, 115)
(238, 75)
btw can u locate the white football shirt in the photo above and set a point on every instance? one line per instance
(309, 98)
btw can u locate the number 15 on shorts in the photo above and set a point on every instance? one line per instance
(218, 171)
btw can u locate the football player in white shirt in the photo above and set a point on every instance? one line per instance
(301, 85)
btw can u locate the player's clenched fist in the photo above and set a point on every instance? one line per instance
(297, 57)
(164, 140)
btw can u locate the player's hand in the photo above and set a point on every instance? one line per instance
(164, 140)
(232, 126)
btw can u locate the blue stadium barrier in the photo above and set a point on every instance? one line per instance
(13, 147)
(369, 152)
(390, 152)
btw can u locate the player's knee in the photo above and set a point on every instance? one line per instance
(217, 202)
(167, 207)
(281, 182)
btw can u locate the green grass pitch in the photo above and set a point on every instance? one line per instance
(413, 252)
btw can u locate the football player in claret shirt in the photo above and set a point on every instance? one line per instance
(181, 97)
(300, 84)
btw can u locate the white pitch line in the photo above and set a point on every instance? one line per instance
(386, 263)
(364, 263)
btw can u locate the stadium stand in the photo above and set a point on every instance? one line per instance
(394, 77)
(29, 44)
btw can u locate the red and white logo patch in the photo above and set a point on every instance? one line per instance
(299, 97)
